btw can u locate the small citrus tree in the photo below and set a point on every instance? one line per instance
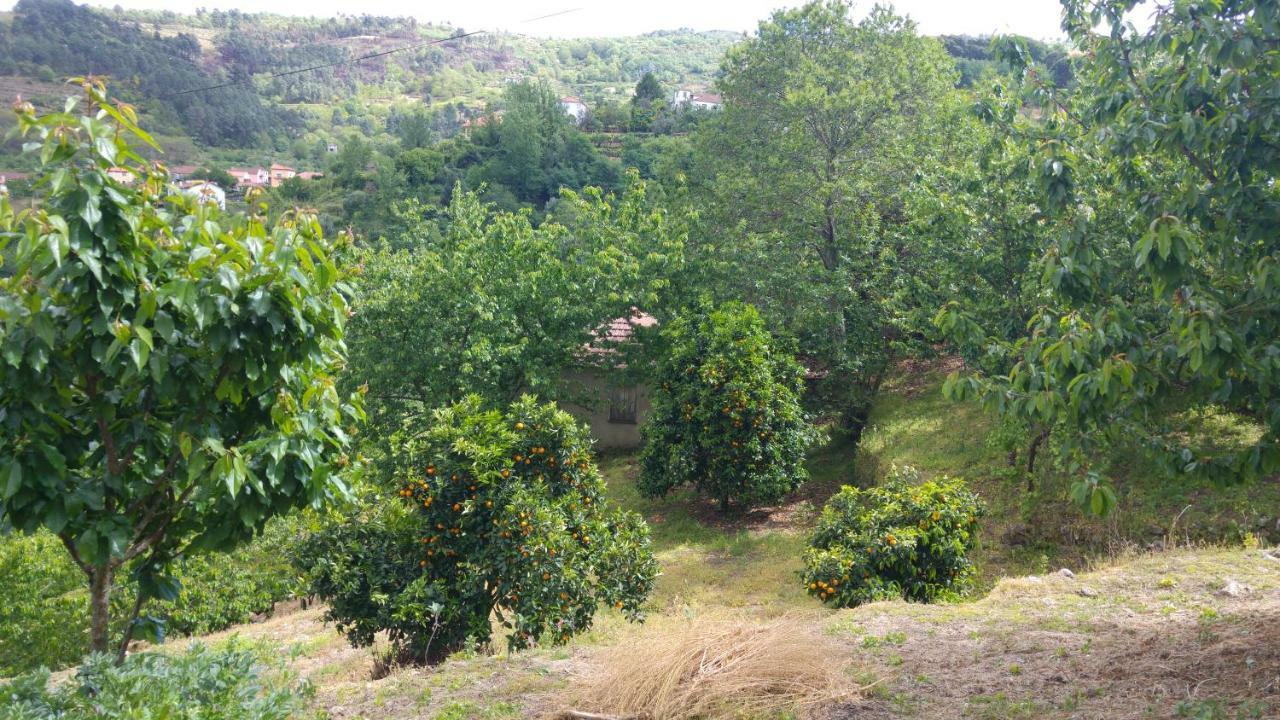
(726, 414)
(905, 539)
(167, 373)
(497, 515)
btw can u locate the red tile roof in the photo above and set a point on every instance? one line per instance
(607, 337)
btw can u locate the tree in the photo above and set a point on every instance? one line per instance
(167, 382)
(537, 151)
(488, 303)
(726, 414)
(497, 515)
(1177, 305)
(215, 175)
(827, 124)
(648, 90)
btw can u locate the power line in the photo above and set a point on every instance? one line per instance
(362, 58)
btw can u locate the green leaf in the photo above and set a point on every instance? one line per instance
(139, 352)
(14, 479)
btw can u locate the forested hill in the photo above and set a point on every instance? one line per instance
(153, 57)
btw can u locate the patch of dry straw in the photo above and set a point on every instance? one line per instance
(723, 669)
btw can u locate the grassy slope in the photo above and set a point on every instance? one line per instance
(1150, 631)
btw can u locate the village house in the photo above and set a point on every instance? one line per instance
(614, 408)
(249, 177)
(697, 99)
(279, 173)
(179, 173)
(575, 108)
(479, 121)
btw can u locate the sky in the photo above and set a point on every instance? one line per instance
(1034, 18)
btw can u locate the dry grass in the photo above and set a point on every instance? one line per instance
(723, 669)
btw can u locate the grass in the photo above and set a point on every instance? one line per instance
(1040, 531)
(1152, 630)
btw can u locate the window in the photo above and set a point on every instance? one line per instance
(622, 405)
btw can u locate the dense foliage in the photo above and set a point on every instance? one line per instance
(498, 514)
(480, 301)
(906, 538)
(1160, 270)
(44, 614)
(726, 415)
(168, 377)
(62, 38)
(830, 126)
(234, 683)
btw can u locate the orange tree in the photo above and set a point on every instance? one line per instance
(907, 539)
(166, 370)
(497, 515)
(726, 415)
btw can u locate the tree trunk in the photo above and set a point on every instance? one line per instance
(130, 622)
(1032, 451)
(100, 607)
(724, 504)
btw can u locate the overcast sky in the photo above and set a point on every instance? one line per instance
(1035, 18)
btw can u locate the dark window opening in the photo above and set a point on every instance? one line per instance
(622, 405)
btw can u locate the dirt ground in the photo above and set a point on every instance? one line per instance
(1186, 633)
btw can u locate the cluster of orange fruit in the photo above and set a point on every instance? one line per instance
(826, 589)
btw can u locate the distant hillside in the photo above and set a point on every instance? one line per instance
(156, 59)
(153, 57)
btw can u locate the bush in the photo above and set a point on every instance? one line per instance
(496, 515)
(905, 539)
(726, 414)
(44, 613)
(200, 684)
(44, 616)
(224, 589)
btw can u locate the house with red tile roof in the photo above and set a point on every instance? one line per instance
(612, 405)
(279, 173)
(249, 177)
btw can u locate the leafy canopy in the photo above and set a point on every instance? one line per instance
(489, 303)
(1171, 128)
(827, 125)
(167, 376)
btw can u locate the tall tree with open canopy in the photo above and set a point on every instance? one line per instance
(726, 415)
(167, 382)
(827, 124)
(1180, 304)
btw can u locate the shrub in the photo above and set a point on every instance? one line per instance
(497, 515)
(726, 415)
(44, 619)
(201, 684)
(906, 538)
(44, 616)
